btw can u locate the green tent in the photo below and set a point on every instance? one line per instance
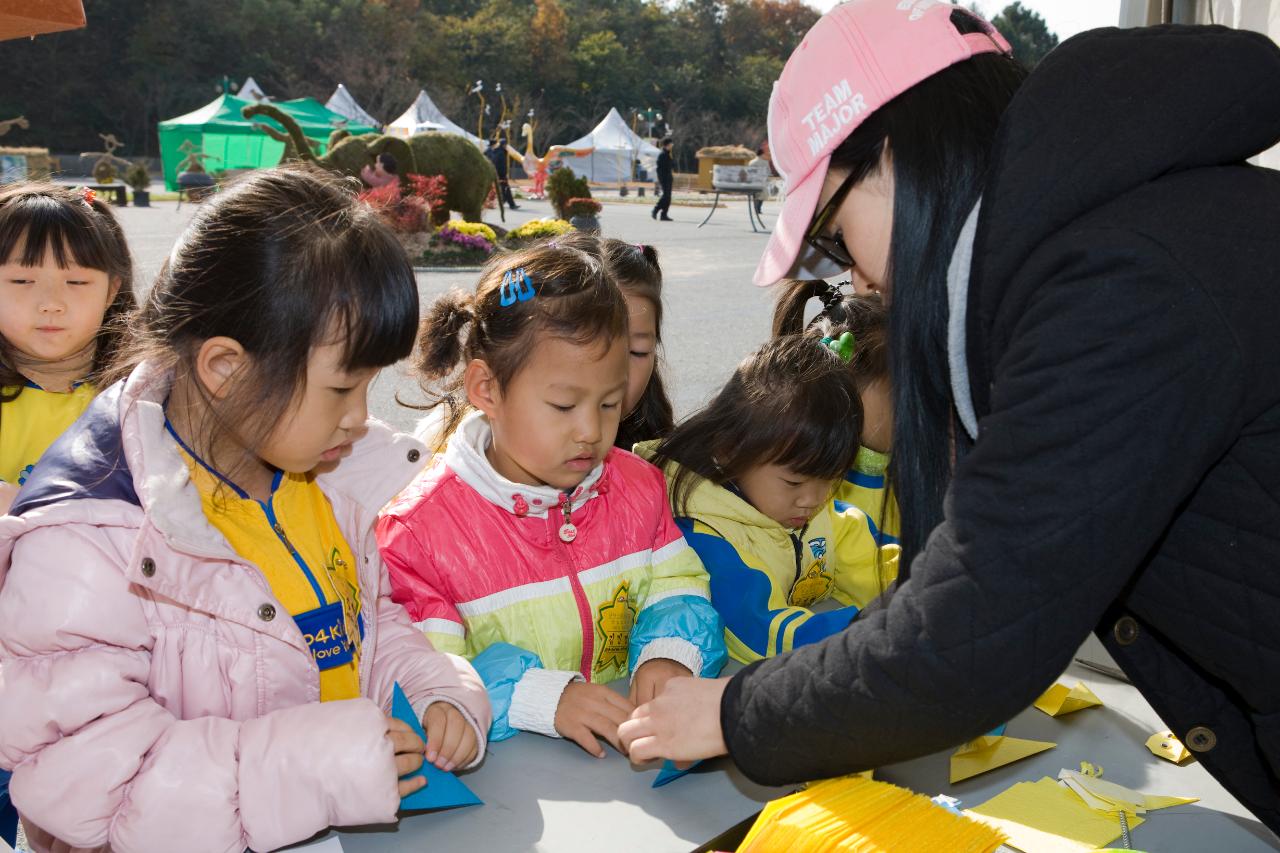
(220, 130)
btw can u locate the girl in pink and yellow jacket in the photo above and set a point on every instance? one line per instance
(197, 638)
(531, 543)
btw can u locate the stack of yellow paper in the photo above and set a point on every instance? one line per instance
(856, 814)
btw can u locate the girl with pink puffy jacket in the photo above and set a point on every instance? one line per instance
(198, 643)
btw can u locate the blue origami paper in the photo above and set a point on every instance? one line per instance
(670, 773)
(443, 790)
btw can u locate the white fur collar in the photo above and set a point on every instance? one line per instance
(467, 457)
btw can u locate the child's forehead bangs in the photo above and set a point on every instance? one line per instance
(42, 225)
(365, 295)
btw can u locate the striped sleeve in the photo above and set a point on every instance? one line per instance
(757, 619)
(677, 620)
(414, 583)
(863, 568)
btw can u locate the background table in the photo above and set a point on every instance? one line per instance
(548, 795)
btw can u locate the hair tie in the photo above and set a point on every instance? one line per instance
(88, 197)
(832, 296)
(516, 287)
(841, 346)
(640, 247)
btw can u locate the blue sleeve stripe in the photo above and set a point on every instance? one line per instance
(881, 537)
(867, 481)
(823, 625)
(739, 592)
(778, 644)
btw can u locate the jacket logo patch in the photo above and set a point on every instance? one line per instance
(811, 587)
(819, 547)
(617, 617)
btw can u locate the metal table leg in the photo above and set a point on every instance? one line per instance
(714, 205)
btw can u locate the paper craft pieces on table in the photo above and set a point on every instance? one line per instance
(670, 773)
(443, 790)
(991, 751)
(1045, 817)
(1165, 745)
(1110, 797)
(853, 813)
(1060, 699)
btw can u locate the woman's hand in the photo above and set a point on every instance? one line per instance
(408, 748)
(682, 723)
(652, 676)
(451, 741)
(587, 711)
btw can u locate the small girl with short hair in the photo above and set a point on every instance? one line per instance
(66, 282)
(751, 478)
(865, 483)
(532, 543)
(213, 610)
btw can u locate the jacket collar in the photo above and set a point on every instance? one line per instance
(467, 456)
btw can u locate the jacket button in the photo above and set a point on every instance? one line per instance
(148, 567)
(1126, 630)
(413, 455)
(1201, 739)
(267, 612)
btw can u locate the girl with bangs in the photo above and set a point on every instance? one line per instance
(532, 543)
(214, 613)
(752, 478)
(66, 281)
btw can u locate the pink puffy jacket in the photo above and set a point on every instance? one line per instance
(154, 695)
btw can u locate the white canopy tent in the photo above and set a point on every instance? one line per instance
(251, 91)
(344, 104)
(422, 116)
(616, 146)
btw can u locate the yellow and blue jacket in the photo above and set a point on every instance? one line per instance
(766, 579)
(31, 421)
(865, 487)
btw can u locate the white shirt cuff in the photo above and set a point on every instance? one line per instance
(672, 648)
(535, 699)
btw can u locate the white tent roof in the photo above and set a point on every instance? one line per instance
(423, 115)
(342, 103)
(251, 91)
(612, 134)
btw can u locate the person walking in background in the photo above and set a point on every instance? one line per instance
(665, 179)
(497, 155)
(762, 156)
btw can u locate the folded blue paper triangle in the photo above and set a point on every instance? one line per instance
(670, 773)
(443, 790)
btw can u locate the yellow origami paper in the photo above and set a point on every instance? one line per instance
(1060, 699)
(1165, 745)
(991, 751)
(1045, 817)
(1109, 797)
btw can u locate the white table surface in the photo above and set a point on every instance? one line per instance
(542, 794)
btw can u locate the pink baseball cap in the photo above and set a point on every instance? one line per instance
(856, 58)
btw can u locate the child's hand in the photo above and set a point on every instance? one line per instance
(408, 750)
(652, 676)
(682, 724)
(451, 741)
(590, 710)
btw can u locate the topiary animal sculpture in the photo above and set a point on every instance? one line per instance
(468, 172)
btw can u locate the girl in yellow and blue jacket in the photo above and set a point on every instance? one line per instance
(865, 484)
(752, 479)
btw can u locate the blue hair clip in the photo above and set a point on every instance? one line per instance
(516, 287)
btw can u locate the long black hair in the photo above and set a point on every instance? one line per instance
(939, 135)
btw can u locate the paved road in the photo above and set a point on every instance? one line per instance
(714, 317)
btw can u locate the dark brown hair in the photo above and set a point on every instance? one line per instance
(283, 261)
(864, 316)
(793, 403)
(46, 218)
(572, 297)
(635, 268)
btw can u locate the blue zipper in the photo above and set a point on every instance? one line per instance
(267, 509)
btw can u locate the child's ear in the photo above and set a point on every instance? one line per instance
(217, 362)
(482, 387)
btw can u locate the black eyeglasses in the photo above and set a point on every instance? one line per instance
(831, 247)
